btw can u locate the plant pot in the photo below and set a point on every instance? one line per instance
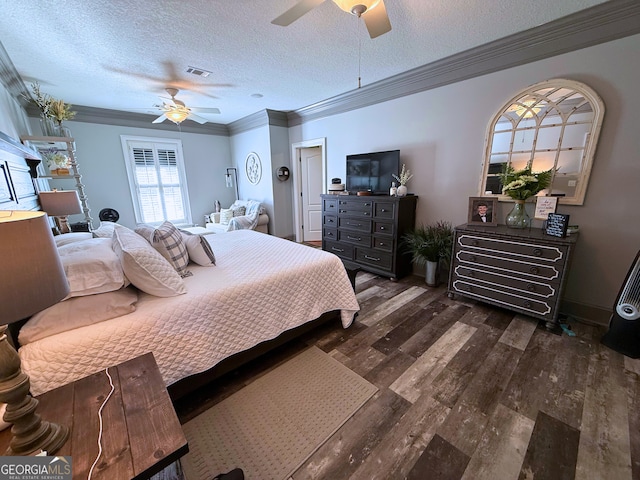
(518, 217)
(402, 191)
(431, 274)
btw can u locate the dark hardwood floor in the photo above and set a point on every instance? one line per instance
(466, 391)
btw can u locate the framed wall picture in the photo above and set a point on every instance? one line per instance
(483, 211)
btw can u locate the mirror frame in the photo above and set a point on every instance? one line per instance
(597, 107)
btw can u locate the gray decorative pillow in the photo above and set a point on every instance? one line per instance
(239, 211)
(167, 240)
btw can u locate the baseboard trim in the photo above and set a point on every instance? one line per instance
(586, 313)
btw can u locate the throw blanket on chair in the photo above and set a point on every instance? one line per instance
(244, 222)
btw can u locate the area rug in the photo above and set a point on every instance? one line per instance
(273, 425)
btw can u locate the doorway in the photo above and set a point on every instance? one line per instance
(309, 181)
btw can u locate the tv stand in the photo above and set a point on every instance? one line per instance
(367, 231)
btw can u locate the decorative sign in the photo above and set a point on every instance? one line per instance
(545, 206)
(557, 224)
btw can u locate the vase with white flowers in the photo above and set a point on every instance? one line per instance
(57, 162)
(403, 178)
(52, 112)
(520, 185)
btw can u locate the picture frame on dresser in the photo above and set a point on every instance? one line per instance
(483, 211)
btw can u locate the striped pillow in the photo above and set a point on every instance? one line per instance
(167, 240)
(199, 249)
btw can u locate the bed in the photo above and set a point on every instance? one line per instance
(260, 290)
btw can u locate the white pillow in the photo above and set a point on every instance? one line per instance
(78, 312)
(167, 240)
(144, 266)
(226, 214)
(91, 267)
(105, 230)
(67, 238)
(199, 249)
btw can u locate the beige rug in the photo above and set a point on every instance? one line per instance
(272, 426)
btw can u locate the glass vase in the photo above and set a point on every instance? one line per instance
(48, 126)
(518, 217)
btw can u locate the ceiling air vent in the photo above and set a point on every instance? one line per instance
(198, 71)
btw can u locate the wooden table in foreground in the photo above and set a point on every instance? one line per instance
(141, 432)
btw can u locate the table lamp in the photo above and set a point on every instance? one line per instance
(59, 204)
(31, 279)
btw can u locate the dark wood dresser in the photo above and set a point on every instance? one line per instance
(366, 231)
(521, 270)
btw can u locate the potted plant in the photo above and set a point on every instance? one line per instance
(429, 245)
(520, 185)
(405, 176)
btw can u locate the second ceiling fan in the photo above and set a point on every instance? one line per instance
(177, 111)
(373, 12)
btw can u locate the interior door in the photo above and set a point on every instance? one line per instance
(311, 170)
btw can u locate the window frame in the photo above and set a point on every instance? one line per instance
(129, 142)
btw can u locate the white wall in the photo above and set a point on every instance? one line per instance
(102, 166)
(441, 135)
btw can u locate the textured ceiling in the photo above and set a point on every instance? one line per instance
(122, 54)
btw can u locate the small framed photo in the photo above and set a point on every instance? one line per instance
(483, 211)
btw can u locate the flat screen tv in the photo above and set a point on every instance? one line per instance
(372, 172)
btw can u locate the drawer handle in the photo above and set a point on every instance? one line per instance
(354, 224)
(343, 211)
(537, 252)
(534, 270)
(331, 206)
(382, 244)
(527, 304)
(382, 228)
(383, 210)
(354, 238)
(366, 213)
(367, 204)
(372, 258)
(330, 220)
(329, 234)
(335, 249)
(531, 287)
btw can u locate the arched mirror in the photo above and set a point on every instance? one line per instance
(553, 124)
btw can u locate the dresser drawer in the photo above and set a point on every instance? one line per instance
(506, 282)
(383, 210)
(342, 250)
(517, 249)
(355, 212)
(498, 296)
(355, 205)
(355, 224)
(508, 266)
(374, 258)
(329, 233)
(330, 205)
(355, 238)
(383, 227)
(383, 243)
(330, 221)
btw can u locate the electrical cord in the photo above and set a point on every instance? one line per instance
(100, 420)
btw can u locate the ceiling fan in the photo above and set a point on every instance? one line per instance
(177, 111)
(373, 12)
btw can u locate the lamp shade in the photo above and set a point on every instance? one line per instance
(31, 274)
(347, 5)
(60, 203)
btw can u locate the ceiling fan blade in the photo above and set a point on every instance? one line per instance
(160, 119)
(196, 118)
(204, 110)
(377, 20)
(295, 12)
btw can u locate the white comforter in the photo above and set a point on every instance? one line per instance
(260, 287)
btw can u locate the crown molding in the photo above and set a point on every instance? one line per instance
(603, 23)
(259, 119)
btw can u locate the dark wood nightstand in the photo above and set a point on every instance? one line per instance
(141, 432)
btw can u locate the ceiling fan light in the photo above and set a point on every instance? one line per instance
(348, 5)
(177, 116)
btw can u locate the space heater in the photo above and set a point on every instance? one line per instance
(624, 328)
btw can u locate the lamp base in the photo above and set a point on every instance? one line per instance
(30, 433)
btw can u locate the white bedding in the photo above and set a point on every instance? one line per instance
(260, 287)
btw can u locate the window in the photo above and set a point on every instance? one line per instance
(155, 167)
